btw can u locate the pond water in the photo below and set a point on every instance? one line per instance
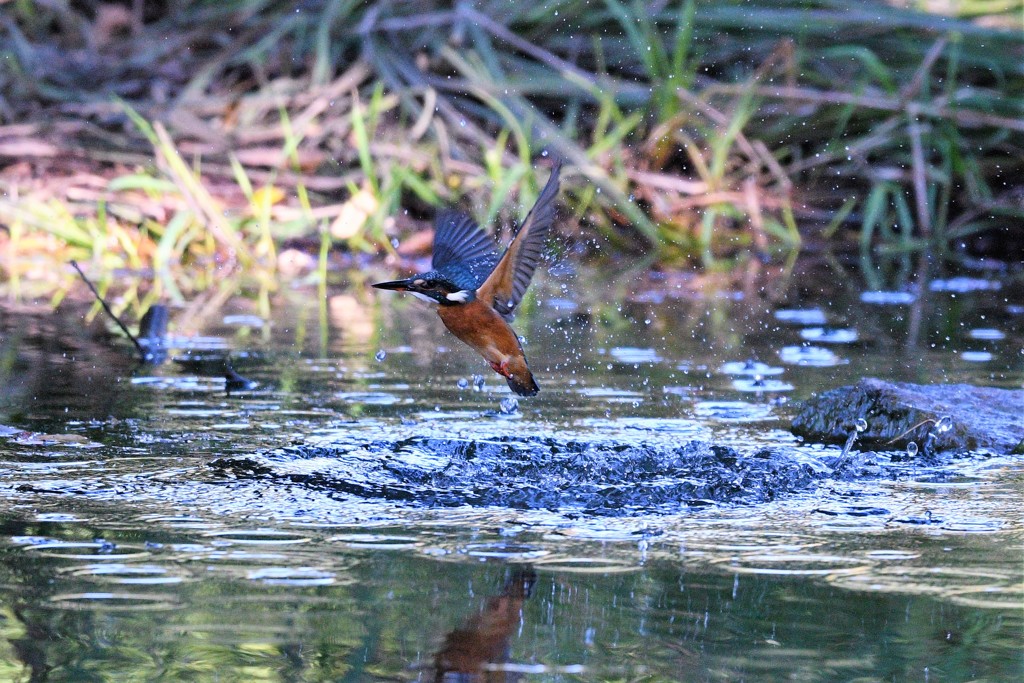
(378, 508)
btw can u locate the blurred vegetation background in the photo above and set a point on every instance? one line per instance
(180, 139)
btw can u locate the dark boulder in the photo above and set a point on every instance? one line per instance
(939, 417)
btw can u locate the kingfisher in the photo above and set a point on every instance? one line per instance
(476, 291)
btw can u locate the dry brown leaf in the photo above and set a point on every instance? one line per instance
(354, 214)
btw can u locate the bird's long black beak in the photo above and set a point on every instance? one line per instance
(396, 285)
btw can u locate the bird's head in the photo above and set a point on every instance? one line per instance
(432, 287)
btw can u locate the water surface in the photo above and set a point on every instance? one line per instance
(157, 528)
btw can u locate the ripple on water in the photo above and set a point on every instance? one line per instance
(851, 510)
(435, 415)
(609, 394)
(76, 550)
(962, 285)
(585, 565)
(376, 541)
(513, 552)
(988, 597)
(982, 586)
(733, 411)
(633, 354)
(129, 574)
(884, 298)
(61, 517)
(760, 384)
(801, 316)
(648, 425)
(826, 335)
(99, 601)
(974, 525)
(750, 367)
(377, 398)
(222, 557)
(794, 564)
(538, 669)
(258, 536)
(810, 356)
(178, 522)
(291, 576)
(194, 409)
(188, 383)
(883, 554)
(987, 334)
(713, 541)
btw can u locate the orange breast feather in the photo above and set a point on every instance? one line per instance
(481, 327)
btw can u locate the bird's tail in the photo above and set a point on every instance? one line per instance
(519, 377)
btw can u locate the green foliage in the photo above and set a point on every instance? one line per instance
(690, 129)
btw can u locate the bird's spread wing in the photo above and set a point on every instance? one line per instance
(457, 239)
(507, 283)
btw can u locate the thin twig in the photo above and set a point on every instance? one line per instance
(912, 88)
(919, 424)
(939, 109)
(540, 54)
(124, 328)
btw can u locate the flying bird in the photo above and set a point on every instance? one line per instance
(476, 291)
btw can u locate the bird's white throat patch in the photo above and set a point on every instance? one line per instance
(461, 297)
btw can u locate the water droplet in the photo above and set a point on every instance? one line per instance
(861, 424)
(509, 405)
(944, 424)
(478, 382)
(912, 449)
(381, 355)
(463, 383)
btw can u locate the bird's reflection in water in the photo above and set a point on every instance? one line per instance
(470, 651)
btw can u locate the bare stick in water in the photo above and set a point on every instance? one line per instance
(142, 351)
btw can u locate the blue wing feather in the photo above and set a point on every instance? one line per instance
(457, 239)
(463, 253)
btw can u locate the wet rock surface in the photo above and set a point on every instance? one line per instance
(940, 417)
(607, 478)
